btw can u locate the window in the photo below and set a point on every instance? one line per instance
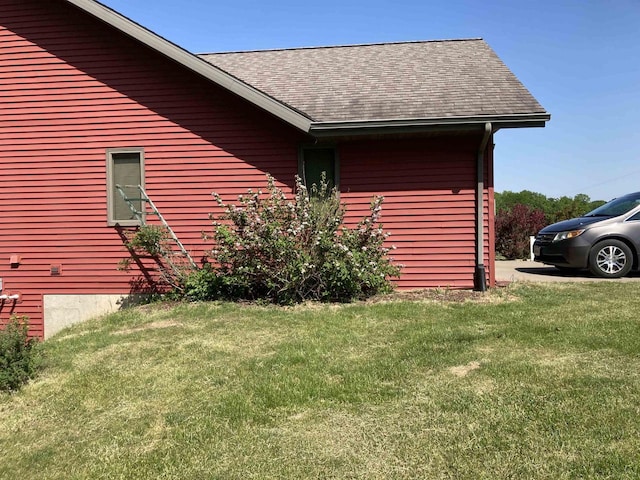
(316, 160)
(125, 167)
(634, 218)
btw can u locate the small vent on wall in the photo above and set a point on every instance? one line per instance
(56, 270)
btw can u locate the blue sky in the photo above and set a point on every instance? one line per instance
(580, 59)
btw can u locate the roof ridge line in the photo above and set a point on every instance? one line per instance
(354, 45)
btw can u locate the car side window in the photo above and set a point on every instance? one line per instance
(634, 218)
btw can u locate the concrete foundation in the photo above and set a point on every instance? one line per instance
(62, 311)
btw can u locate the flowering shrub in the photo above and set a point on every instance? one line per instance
(513, 229)
(287, 251)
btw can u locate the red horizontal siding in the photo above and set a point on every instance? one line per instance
(70, 88)
(429, 207)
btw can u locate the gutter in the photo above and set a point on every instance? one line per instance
(479, 275)
(367, 127)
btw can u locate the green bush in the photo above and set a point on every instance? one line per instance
(19, 355)
(202, 284)
(288, 251)
(170, 269)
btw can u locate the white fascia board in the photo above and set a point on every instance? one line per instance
(193, 63)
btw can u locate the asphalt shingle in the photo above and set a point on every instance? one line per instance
(391, 81)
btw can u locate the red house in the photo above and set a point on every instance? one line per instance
(89, 99)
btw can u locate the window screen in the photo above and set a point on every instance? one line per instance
(125, 169)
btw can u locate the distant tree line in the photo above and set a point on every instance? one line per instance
(522, 214)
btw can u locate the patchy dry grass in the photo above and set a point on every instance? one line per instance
(528, 382)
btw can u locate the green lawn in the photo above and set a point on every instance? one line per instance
(530, 382)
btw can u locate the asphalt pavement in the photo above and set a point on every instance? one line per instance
(522, 270)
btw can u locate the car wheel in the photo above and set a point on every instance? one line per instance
(610, 259)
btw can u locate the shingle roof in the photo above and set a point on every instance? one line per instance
(412, 80)
(390, 86)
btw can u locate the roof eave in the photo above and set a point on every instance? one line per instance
(367, 127)
(193, 63)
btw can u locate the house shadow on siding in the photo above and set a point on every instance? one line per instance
(186, 113)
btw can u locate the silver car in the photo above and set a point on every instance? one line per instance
(606, 240)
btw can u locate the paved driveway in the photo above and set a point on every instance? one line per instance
(520, 270)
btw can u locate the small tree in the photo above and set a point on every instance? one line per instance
(555, 209)
(154, 242)
(286, 251)
(19, 357)
(513, 229)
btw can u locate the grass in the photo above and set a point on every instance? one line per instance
(532, 382)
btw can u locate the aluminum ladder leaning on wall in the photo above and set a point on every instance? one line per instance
(154, 211)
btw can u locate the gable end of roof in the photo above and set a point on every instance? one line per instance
(193, 63)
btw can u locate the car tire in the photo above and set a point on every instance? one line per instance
(610, 259)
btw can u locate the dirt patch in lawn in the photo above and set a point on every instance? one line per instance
(463, 370)
(150, 326)
(446, 295)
